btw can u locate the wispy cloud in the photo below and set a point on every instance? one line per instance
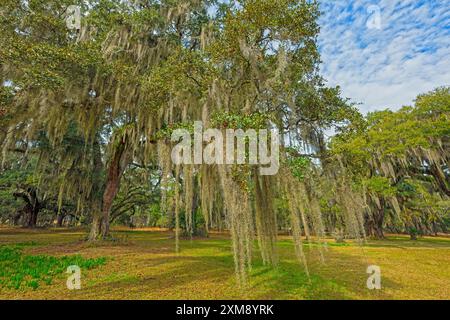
(385, 67)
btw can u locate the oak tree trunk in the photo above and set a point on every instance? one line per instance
(440, 179)
(101, 219)
(32, 205)
(376, 220)
(59, 220)
(115, 171)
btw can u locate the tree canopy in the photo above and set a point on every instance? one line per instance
(90, 111)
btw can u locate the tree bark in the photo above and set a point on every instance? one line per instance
(95, 227)
(115, 171)
(17, 216)
(59, 219)
(376, 220)
(117, 165)
(440, 179)
(378, 225)
(32, 206)
(34, 216)
(96, 193)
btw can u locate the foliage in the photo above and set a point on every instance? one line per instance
(402, 157)
(228, 120)
(18, 271)
(10, 179)
(299, 166)
(95, 107)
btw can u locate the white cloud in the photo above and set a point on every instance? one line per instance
(386, 68)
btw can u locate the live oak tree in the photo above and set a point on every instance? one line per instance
(401, 162)
(107, 97)
(88, 79)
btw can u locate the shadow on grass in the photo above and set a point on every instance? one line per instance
(210, 262)
(403, 242)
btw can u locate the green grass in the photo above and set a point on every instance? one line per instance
(18, 270)
(144, 265)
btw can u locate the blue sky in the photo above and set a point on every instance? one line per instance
(383, 53)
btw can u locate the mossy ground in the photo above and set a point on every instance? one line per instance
(142, 264)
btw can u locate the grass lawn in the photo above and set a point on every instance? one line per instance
(142, 264)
